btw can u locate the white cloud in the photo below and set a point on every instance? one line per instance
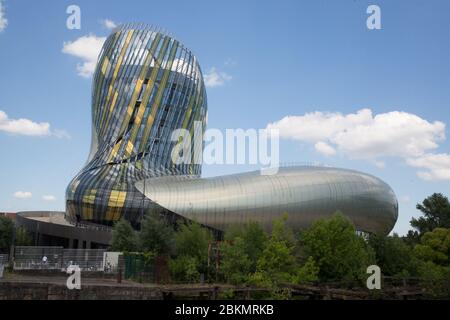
(27, 127)
(325, 148)
(363, 135)
(49, 198)
(87, 48)
(3, 20)
(215, 78)
(109, 24)
(23, 126)
(405, 199)
(437, 166)
(23, 195)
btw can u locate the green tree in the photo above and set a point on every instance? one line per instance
(6, 234)
(277, 264)
(433, 253)
(338, 251)
(193, 240)
(156, 235)
(184, 268)
(23, 238)
(393, 255)
(124, 237)
(435, 247)
(192, 243)
(307, 273)
(412, 238)
(436, 211)
(254, 240)
(235, 265)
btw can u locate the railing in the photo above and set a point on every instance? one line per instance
(58, 258)
(4, 259)
(302, 164)
(92, 227)
(89, 226)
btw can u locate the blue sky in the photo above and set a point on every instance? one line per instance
(315, 61)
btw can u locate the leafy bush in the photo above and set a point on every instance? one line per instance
(124, 238)
(184, 268)
(23, 238)
(156, 235)
(193, 240)
(236, 265)
(339, 253)
(393, 255)
(6, 234)
(307, 273)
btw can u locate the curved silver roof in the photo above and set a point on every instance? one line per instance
(304, 193)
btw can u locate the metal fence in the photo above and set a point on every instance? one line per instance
(58, 258)
(86, 259)
(4, 259)
(37, 258)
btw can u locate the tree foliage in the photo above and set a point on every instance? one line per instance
(124, 237)
(156, 235)
(338, 251)
(254, 240)
(193, 240)
(184, 268)
(393, 255)
(435, 247)
(23, 238)
(307, 273)
(277, 262)
(434, 262)
(6, 234)
(192, 243)
(436, 211)
(236, 265)
(243, 247)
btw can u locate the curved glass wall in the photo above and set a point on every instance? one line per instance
(146, 85)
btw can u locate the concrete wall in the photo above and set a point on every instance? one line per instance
(42, 291)
(67, 236)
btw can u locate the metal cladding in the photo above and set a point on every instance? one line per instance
(147, 85)
(304, 193)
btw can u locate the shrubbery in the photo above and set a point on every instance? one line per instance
(329, 251)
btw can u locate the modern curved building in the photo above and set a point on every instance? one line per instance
(304, 193)
(146, 85)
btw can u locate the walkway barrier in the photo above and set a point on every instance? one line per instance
(58, 258)
(37, 258)
(86, 259)
(4, 259)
